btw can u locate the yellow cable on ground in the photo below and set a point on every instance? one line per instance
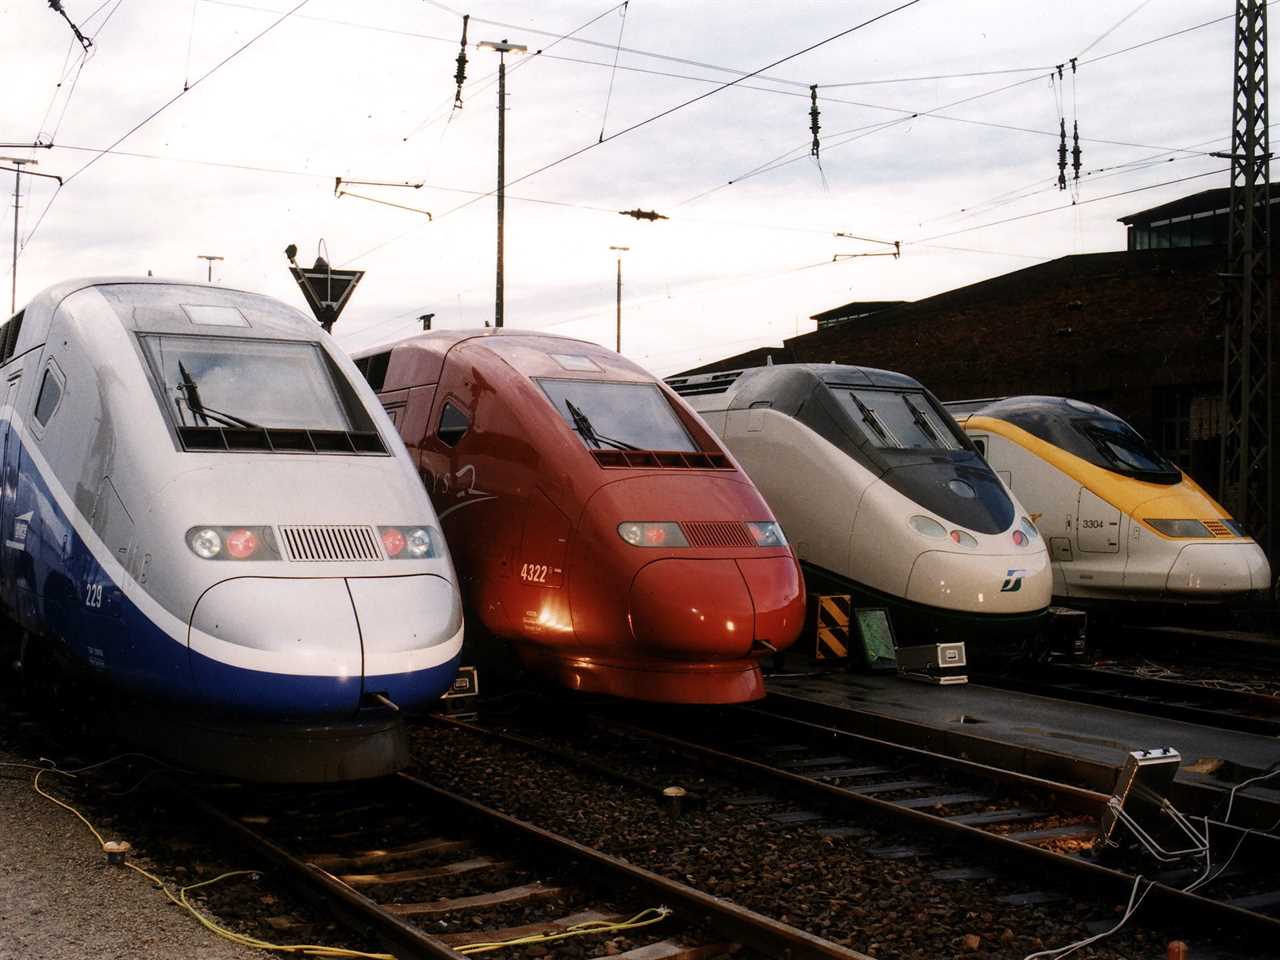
(583, 929)
(310, 950)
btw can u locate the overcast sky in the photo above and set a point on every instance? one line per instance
(364, 91)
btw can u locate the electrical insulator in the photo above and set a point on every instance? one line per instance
(813, 117)
(460, 77)
(1075, 150)
(1062, 154)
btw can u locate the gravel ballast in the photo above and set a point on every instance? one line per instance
(61, 900)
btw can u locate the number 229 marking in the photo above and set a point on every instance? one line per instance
(93, 595)
(533, 572)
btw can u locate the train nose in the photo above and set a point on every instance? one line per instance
(981, 583)
(1217, 568)
(716, 609)
(411, 632)
(314, 648)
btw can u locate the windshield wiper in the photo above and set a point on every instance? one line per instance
(588, 432)
(869, 418)
(198, 409)
(923, 422)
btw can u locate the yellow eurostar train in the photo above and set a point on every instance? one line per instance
(1122, 523)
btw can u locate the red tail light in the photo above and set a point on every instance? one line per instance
(392, 541)
(242, 544)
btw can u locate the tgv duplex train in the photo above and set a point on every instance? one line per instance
(206, 513)
(883, 497)
(1122, 522)
(596, 523)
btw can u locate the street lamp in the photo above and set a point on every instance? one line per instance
(503, 48)
(209, 258)
(16, 170)
(621, 251)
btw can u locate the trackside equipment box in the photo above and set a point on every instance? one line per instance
(933, 663)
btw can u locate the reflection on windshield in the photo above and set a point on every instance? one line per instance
(620, 416)
(1123, 447)
(902, 419)
(229, 382)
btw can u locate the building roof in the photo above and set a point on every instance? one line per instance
(1206, 201)
(855, 308)
(757, 357)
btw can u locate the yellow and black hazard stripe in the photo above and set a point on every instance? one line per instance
(833, 626)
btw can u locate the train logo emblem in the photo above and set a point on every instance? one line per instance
(1013, 581)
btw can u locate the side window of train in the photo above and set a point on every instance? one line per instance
(981, 444)
(50, 395)
(374, 368)
(453, 425)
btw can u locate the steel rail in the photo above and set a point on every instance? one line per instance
(564, 756)
(1074, 870)
(1225, 709)
(1191, 798)
(751, 929)
(356, 909)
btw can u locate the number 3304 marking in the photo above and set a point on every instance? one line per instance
(533, 572)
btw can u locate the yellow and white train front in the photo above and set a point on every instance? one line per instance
(1121, 521)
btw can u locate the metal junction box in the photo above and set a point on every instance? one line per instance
(933, 663)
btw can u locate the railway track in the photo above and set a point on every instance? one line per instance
(433, 874)
(1175, 699)
(850, 786)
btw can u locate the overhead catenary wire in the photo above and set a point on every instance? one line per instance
(155, 113)
(1064, 206)
(667, 112)
(614, 72)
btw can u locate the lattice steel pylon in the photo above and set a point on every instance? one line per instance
(1246, 468)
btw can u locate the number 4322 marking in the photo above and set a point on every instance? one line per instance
(533, 572)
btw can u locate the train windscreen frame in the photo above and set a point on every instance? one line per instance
(257, 395)
(617, 414)
(1121, 449)
(896, 419)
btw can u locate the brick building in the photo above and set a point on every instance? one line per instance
(1137, 331)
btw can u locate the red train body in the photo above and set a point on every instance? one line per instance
(594, 521)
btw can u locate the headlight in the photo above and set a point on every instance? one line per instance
(927, 526)
(232, 543)
(411, 543)
(767, 533)
(1179, 528)
(964, 539)
(1029, 528)
(644, 533)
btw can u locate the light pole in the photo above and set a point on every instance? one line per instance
(503, 48)
(209, 258)
(16, 170)
(621, 251)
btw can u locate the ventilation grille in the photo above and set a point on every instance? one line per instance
(699, 385)
(716, 533)
(655, 459)
(1218, 528)
(331, 543)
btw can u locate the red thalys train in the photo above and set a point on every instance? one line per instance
(596, 524)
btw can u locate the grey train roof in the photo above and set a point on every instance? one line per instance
(785, 385)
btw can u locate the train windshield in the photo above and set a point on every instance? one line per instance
(618, 416)
(230, 382)
(1122, 449)
(901, 419)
